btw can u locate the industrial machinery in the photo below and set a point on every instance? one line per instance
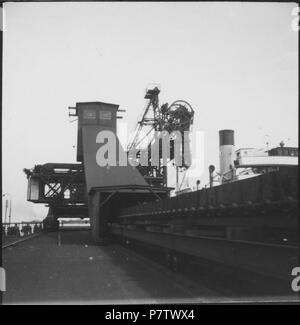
(61, 187)
(247, 224)
(90, 189)
(177, 117)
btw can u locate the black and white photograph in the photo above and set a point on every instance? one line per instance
(149, 155)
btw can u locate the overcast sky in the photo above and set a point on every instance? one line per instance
(235, 63)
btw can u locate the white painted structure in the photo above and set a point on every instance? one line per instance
(250, 157)
(267, 161)
(227, 154)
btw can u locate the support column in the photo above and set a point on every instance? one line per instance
(50, 223)
(97, 218)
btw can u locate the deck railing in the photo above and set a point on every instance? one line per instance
(20, 229)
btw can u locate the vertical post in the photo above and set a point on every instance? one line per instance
(9, 216)
(94, 204)
(6, 205)
(98, 218)
(165, 176)
(177, 179)
(198, 185)
(211, 169)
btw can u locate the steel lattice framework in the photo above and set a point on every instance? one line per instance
(178, 116)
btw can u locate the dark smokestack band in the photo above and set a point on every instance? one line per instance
(226, 137)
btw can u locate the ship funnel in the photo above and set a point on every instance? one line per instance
(226, 154)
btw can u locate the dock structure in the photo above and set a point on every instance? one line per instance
(247, 225)
(87, 189)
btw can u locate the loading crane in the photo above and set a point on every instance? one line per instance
(178, 117)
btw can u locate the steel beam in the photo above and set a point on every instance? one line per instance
(270, 260)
